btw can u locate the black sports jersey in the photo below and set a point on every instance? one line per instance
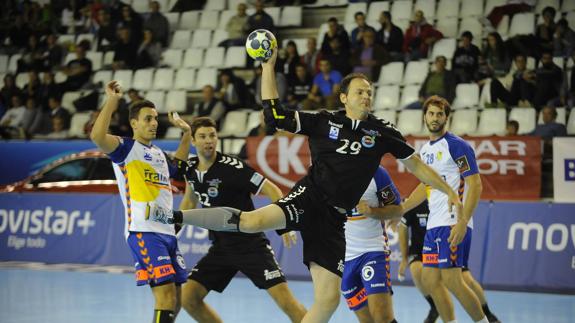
(228, 182)
(416, 221)
(345, 153)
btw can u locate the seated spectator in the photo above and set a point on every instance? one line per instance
(131, 20)
(231, 90)
(237, 28)
(545, 31)
(369, 58)
(299, 87)
(338, 57)
(287, 64)
(548, 81)
(466, 59)
(106, 34)
(419, 37)
(34, 120)
(56, 110)
(53, 53)
(125, 50)
(149, 52)
(390, 36)
(32, 58)
(325, 90)
(78, 70)
(496, 56)
(519, 92)
(32, 88)
(438, 82)
(9, 89)
(48, 89)
(312, 56)
(357, 32)
(13, 120)
(158, 24)
(569, 91)
(512, 128)
(564, 40)
(550, 128)
(334, 30)
(59, 130)
(18, 33)
(210, 106)
(256, 86)
(260, 19)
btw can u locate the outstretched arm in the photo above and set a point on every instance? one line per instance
(184, 147)
(415, 198)
(99, 135)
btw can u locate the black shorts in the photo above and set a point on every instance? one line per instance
(321, 226)
(218, 267)
(415, 257)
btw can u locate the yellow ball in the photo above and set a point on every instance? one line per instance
(260, 44)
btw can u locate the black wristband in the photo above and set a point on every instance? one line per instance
(178, 217)
(271, 103)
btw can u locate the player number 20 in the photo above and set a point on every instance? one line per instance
(354, 147)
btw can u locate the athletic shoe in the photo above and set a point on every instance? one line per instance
(493, 319)
(160, 214)
(431, 316)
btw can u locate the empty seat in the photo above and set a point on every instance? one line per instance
(124, 77)
(571, 124)
(68, 99)
(503, 27)
(66, 40)
(291, 16)
(351, 9)
(427, 6)
(215, 57)
(236, 56)
(96, 58)
(416, 72)
(108, 58)
(464, 122)
(172, 57)
(525, 117)
(201, 38)
(4, 63)
(206, 76)
(69, 57)
(143, 79)
(176, 100)
(401, 10)
(374, 12)
(233, 146)
(492, 122)
(541, 4)
(21, 80)
(561, 116)
(185, 79)
(387, 115)
(13, 63)
(102, 76)
(387, 97)
(181, 39)
(522, 24)
(409, 94)
(254, 120)
(410, 122)
(173, 19)
(274, 12)
(158, 98)
(225, 17)
(77, 124)
(194, 57)
(141, 6)
(234, 124)
(391, 73)
(447, 9)
(568, 6)
(445, 47)
(471, 8)
(189, 20)
(219, 36)
(209, 19)
(466, 95)
(448, 27)
(163, 79)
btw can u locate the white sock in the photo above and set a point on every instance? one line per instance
(483, 320)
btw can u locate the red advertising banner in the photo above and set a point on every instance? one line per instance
(510, 167)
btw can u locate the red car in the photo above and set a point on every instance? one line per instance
(88, 171)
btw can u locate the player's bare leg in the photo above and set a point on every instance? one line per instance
(284, 298)
(381, 307)
(431, 279)
(416, 268)
(270, 217)
(326, 294)
(478, 290)
(178, 301)
(453, 280)
(193, 294)
(165, 302)
(363, 315)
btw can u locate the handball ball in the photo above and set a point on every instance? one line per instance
(260, 44)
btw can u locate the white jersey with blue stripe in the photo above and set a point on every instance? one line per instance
(364, 234)
(453, 159)
(143, 175)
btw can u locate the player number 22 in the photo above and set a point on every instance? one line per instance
(354, 147)
(203, 198)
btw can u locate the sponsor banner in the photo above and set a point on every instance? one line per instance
(510, 166)
(26, 157)
(530, 245)
(564, 169)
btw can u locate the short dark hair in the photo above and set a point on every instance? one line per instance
(437, 101)
(513, 123)
(359, 13)
(553, 111)
(387, 14)
(549, 10)
(344, 85)
(332, 19)
(202, 122)
(467, 34)
(136, 107)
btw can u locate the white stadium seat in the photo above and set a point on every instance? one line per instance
(173, 19)
(172, 57)
(216, 5)
(214, 57)
(416, 72)
(219, 36)
(492, 122)
(209, 19)
(194, 57)
(391, 73)
(68, 99)
(163, 79)
(185, 79)
(96, 58)
(102, 76)
(427, 6)
(13, 63)
(173, 133)
(409, 94)
(474, 26)
(466, 95)
(181, 39)
(21, 80)
(464, 122)
(4, 63)
(525, 117)
(176, 100)
(236, 56)
(234, 123)
(571, 124)
(447, 9)
(522, 24)
(225, 17)
(351, 9)
(387, 115)
(472, 8)
(201, 38)
(410, 122)
(124, 77)
(77, 124)
(448, 27)
(445, 47)
(189, 20)
(254, 120)
(143, 79)
(541, 4)
(387, 97)
(374, 12)
(206, 76)
(158, 98)
(291, 16)
(401, 10)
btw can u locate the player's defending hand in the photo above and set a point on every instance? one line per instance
(175, 120)
(289, 239)
(114, 90)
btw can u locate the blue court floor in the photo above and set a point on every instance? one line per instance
(32, 296)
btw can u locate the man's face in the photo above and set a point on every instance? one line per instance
(146, 125)
(205, 140)
(547, 60)
(57, 124)
(521, 63)
(547, 115)
(510, 130)
(383, 18)
(360, 20)
(359, 96)
(435, 119)
(311, 44)
(300, 72)
(440, 64)
(332, 25)
(466, 41)
(53, 104)
(154, 6)
(241, 9)
(16, 101)
(324, 66)
(207, 93)
(368, 38)
(418, 16)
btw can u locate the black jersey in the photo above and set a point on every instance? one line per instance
(346, 153)
(228, 182)
(416, 221)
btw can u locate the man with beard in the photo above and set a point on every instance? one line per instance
(448, 237)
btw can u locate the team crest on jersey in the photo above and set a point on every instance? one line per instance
(213, 191)
(462, 164)
(333, 132)
(371, 133)
(386, 195)
(368, 141)
(147, 156)
(214, 182)
(439, 155)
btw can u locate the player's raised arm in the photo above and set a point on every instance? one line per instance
(269, 85)
(99, 135)
(184, 147)
(190, 200)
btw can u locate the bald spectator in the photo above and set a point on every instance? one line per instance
(419, 37)
(158, 24)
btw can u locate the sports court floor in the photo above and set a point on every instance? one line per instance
(31, 296)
